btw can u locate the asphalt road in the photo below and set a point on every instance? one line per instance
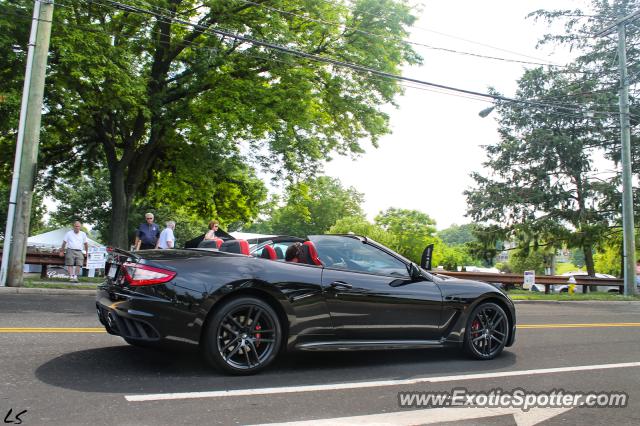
(85, 377)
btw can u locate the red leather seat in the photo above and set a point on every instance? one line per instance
(268, 252)
(311, 253)
(235, 246)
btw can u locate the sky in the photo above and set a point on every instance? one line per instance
(436, 138)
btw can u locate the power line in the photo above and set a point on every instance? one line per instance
(408, 41)
(415, 43)
(375, 73)
(341, 64)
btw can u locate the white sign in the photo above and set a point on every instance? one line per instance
(96, 257)
(529, 279)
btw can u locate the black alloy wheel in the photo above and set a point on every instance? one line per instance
(244, 336)
(487, 331)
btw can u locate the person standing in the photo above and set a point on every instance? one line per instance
(72, 244)
(147, 234)
(167, 239)
(211, 233)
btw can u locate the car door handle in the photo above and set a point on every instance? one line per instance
(340, 284)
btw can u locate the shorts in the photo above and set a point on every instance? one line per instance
(73, 258)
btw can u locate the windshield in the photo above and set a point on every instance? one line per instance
(359, 255)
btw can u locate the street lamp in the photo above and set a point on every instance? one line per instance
(486, 111)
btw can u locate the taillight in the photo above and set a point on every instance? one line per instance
(138, 275)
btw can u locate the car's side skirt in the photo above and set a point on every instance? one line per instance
(359, 345)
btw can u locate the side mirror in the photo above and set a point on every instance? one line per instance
(414, 271)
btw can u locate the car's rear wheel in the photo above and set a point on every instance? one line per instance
(487, 331)
(243, 336)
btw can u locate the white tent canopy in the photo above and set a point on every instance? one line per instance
(54, 239)
(249, 235)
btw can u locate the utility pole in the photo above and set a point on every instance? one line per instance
(629, 244)
(629, 250)
(24, 168)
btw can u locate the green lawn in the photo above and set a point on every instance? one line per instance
(533, 295)
(561, 268)
(85, 283)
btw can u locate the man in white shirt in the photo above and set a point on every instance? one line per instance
(167, 240)
(72, 245)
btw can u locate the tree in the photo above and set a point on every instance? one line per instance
(38, 210)
(522, 260)
(131, 88)
(412, 229)
(312, 207)
(361, 226)
(541, 176)
(594, 65)
(458, 234)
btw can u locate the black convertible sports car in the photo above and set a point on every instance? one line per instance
(244, 305)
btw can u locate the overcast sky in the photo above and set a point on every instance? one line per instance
(436, 141)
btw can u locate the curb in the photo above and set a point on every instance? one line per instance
(45, 291)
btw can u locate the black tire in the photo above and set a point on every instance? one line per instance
(243, 336)
(487, 331)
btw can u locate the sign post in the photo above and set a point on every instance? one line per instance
(96, 259)
(529, 280)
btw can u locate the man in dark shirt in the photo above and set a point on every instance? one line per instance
(147, 234)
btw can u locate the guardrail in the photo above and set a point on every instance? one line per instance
(44, 257)
(545, 280)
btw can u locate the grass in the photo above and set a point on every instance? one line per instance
(84, 283)
(533, 295)
(561, 268)
(69, 286)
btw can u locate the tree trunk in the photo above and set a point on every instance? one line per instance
(588, 261)
(118, 235)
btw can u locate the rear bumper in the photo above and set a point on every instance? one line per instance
(119, 319)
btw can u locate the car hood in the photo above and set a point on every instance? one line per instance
(456, 286)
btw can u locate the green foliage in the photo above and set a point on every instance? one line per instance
(454, 257)
(153, 100)
(312, 207)
(38, 210)
(85, 198)
(360, 226)
(412, 229)
(487, 244)
(540, 181)
(458, 234)
(577, 257)
(609, 260)
(521, 260)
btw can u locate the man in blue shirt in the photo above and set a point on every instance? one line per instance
(147, 234)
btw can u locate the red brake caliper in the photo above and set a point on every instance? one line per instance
(258, 335)
(475, 326)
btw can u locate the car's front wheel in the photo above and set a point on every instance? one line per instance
(487, 331)
(243, 336)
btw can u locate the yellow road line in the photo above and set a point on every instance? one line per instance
(102, 330)
(52, 330)
(582, 325)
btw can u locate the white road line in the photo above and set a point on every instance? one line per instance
(373, 384)
(434, 415)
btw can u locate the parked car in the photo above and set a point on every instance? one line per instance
(564, 288)
(348, 292)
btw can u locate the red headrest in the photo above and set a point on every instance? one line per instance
(268, 252)
(313, 253)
